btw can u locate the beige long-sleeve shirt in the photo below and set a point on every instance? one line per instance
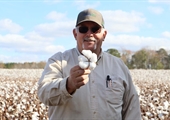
(97, 100)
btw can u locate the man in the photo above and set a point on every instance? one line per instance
(109, 93)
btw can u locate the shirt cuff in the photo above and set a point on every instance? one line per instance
(63, 87)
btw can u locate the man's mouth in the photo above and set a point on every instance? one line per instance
(89, 41)
(94, 41)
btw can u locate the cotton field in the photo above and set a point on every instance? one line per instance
(18, 97)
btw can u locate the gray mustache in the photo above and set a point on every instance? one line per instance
(90, 39)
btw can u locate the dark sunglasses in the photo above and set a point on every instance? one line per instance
(84, 29)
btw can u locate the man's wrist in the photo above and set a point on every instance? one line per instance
(69, 89)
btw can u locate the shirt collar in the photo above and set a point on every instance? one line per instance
(78, 51)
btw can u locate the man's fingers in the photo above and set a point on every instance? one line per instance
(78, 77)
(81, 83)
(83, 72)
(75, 68)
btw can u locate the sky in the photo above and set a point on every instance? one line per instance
(34, 30)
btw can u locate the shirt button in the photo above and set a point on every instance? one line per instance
(94, 112)
(93, 81)
(93, 96)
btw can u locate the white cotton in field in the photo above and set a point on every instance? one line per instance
(92, 65)
(93, 58)
(166, 105)
(83, 65)
(35, 116)
(82, 58)
(87, 53)
(10, 109)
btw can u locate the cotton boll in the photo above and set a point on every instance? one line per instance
(88, 60)
(82, 58)
(87, 53)
(93, 58)
(92, 65)
(83, 65)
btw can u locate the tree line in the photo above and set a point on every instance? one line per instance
(142, 59)
(25, 65)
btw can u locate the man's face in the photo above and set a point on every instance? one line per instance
(89, 36)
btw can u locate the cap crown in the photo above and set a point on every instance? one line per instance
(90, 15)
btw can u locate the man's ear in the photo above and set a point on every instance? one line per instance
(75, 33)
(104, 31)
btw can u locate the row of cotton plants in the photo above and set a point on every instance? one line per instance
(18, 94)
(154, 93)
(18, 97)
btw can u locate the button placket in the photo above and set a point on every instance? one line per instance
(94, 100)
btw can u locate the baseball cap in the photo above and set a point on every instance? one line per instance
(90, 15)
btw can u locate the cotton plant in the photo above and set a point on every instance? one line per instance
(87, 60)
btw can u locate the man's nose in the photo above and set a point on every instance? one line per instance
(89, 32)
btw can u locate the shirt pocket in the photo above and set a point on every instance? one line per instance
(115, 91)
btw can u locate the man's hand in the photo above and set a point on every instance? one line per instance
(78, 77)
